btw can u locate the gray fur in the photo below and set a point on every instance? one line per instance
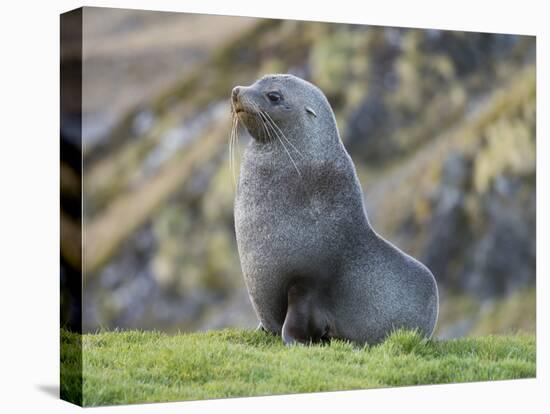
(310, 259)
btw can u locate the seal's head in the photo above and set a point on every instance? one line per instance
(278, 104)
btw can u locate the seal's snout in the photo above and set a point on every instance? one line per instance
(235, 94)
(235, 99)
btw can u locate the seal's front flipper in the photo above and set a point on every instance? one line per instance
(304, 322)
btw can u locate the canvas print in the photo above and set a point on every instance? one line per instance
(255, 206)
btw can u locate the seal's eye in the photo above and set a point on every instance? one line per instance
(274, 97)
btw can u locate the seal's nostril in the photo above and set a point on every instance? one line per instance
(235, 93)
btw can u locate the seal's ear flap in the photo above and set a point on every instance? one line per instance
(311, 111)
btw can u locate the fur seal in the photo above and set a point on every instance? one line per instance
(314, 267)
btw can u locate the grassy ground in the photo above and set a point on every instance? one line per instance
(135, 367)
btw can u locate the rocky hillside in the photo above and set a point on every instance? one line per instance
(440, 124)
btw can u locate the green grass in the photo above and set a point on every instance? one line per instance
(135, 367)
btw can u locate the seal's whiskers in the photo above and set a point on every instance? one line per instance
(262, 121)
(286, 150)
(268, 123)
(256, 111)
(274, 124)
(231, 139)
(234, 133)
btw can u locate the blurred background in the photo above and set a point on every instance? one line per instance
(440, 124)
